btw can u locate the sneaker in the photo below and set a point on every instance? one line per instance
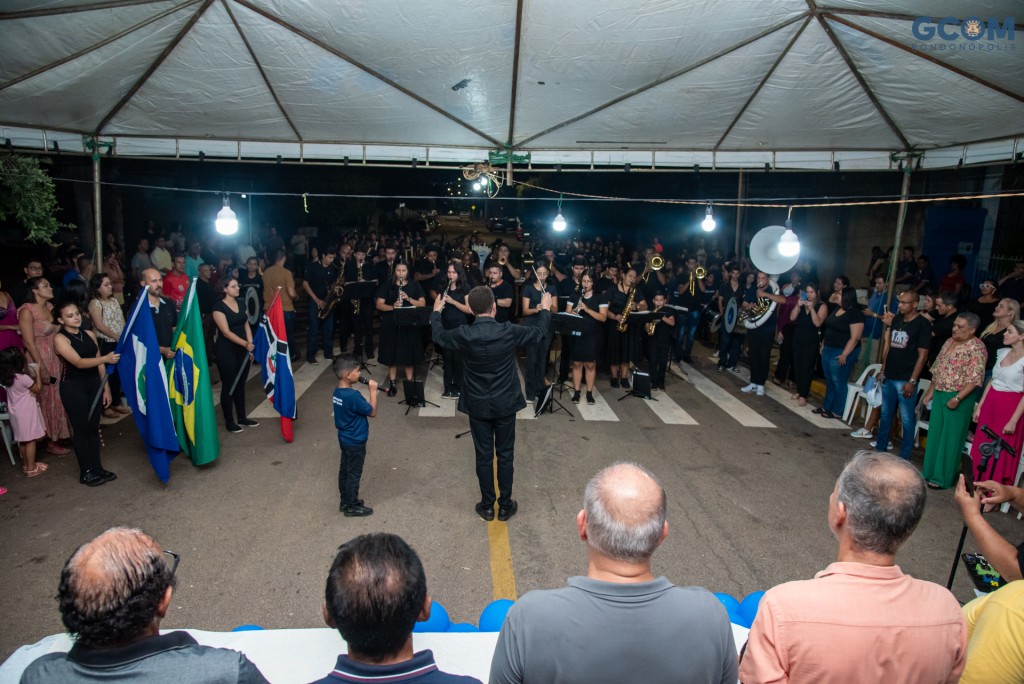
(749, 388)
(615, 383)
(862, 433)
(720, 368)
(874, 445)
(248, 423)
(714, 356)
(624, 383)
(735, 369)
(456, 394)
(576, 397)
(313, 361)
(446, 395)
(233, 428)
(357, 511)
(759, 391)
(590, 398)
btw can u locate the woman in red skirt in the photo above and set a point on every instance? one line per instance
(1002, 407)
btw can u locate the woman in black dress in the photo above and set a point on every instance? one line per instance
(808, 316)
(84, 369)
(454, 293)
(587, 347)
(231, 348)
(537, 353)
(622, 347)
(400, 346)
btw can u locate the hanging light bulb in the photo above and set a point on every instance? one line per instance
(227, 222)
(789, 243)
(559, 223)
(708, 224)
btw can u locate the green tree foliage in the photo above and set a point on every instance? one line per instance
(27, 197)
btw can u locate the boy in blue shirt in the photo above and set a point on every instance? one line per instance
(350, 413)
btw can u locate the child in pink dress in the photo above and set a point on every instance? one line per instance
(22, 406)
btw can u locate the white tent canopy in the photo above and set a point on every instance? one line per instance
(652, 83)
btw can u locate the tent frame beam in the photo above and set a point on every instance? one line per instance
(768, 75)
(665, 79)
(72, 9)
(359, 65)
(96, 46)
(263, 73)
(515, 74)
(168, 49)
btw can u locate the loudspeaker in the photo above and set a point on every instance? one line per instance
(641, 384)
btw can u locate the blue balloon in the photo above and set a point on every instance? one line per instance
(731, 604)
(247, 628)
(749, 606)
(493, 616)
(463, 627)
(737, 619)
(438, 622)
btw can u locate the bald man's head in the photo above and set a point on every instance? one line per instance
(626, 510)
(111, 587)
(154, 280)
(884, 497)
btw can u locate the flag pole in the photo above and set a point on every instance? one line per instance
(96, 399)
(245, 366)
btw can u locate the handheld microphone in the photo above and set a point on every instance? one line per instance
(363, 380)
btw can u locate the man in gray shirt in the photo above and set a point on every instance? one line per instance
(619, 623)
(114, 591)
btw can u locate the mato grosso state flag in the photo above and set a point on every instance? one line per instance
(144, 381)
(272, 354)
(190, 390)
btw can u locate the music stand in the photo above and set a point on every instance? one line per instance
(640, 387)
(359, 290)
(414, 396)
(565, 324)
(547, 402)
(411, 315)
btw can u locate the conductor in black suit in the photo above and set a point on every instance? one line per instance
(491, 393)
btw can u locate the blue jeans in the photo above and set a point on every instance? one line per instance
(317, 328)
(892, 395)
(686, 333)
(836, 378)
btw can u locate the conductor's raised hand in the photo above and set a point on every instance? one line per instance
(545, 301)
(439, 303)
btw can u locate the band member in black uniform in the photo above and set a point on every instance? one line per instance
(569, 290)
(400, 346)
(659, 335)
(455, 313)
(231, 348)
(320, 276)
(500, 256)
(587, 347)
(685, 290)
(729, 343)
(534, 291)
(386, 266)
(359, 269)
(84, 369)
(608, 280)
(470, 265)
(343, 309)
(428, 272)
(622, 346)
(761, 338)
(503, 293)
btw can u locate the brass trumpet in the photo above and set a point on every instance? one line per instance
(502, 261)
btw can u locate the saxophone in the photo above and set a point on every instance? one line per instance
(333, 295)
(649, 326)
(359, 276)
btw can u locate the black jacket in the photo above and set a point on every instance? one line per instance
(490, 384)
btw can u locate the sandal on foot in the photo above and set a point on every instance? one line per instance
(57, 449)
(38, 470)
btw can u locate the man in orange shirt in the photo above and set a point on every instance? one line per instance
(278, 277)
(861, 619)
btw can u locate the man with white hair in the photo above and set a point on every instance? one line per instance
(861, 619)
(620, 623)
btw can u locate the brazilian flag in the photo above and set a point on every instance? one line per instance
(189, 388)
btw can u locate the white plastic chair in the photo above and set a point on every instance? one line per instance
(5, 425)
(855, 391)
(919, 410)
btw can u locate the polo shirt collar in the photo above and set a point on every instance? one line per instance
(348, 670)
(878, 572)
(137, 650)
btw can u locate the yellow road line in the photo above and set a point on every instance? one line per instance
(503, 578)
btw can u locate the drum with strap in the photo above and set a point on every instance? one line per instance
(252, 306)
(731, 315)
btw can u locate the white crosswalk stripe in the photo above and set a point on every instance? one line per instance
(304, 376)
(743, 414)
(783, 397)
(668, 410)
(601, 410)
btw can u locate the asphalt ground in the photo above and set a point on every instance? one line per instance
(258, 528)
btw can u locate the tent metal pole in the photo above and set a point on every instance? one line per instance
(97, 212)
(739, 216)
(896, 246)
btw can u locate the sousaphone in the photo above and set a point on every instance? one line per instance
(764, 254)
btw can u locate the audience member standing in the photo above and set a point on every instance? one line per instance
(33, 268)
(22, 386)
(1001, 408)
(176, 282)
(10, 330)
(807, 317)
(276, 279)
(165, 315)
(985, 304)
(108, 322)
(35, 317)
(232, 348)
(300, 252)
(160, 257)
(1006, 312)
(620, 623)
(843, 330)
(861, 619)
(141, 260)
(112, 267)
(903, 360)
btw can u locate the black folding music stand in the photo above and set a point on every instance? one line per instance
(361, 289)
(414, 396)
(641, 386)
